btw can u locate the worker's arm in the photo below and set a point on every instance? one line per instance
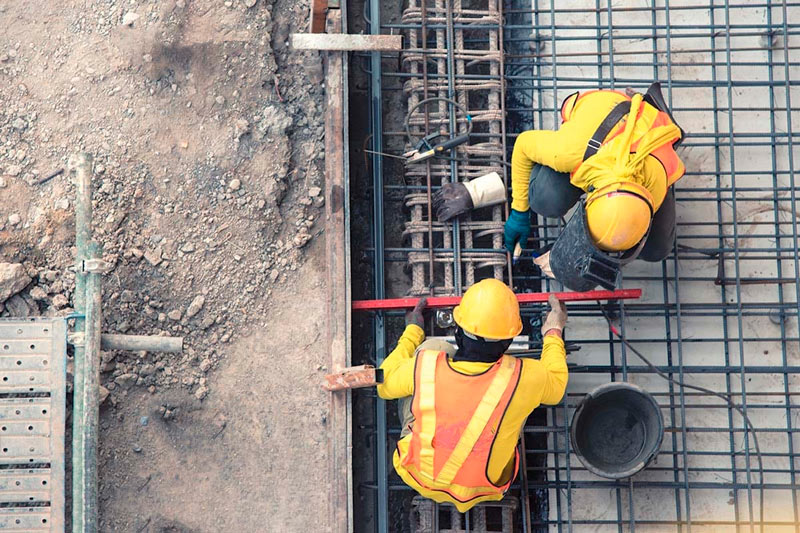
(554, 364)
(552, 376)
(555, 149)
(398, 368)
(544, 380)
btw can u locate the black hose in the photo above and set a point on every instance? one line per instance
(436, 99)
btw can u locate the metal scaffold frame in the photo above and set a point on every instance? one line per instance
(721, 311)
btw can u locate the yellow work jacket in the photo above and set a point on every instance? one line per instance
(541, 381)
(563, 150)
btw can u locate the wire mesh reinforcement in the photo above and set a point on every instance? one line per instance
(725, 302)
(720, 312)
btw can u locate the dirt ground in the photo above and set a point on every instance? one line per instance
(207, 136)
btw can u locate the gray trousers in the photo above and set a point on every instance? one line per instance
(551, 195)
(404, 404)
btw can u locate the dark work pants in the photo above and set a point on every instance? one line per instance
(551, 194)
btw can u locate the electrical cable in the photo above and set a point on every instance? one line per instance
(725, 397)
(460, 107)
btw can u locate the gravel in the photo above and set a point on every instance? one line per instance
(13, 278)
(204, 197)
(195, 306)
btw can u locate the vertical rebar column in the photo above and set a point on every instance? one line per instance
(81, 166)
(461, 96)
(496, 128)
(376, 118)
(417, 239)
(441, 74)
(451, 93)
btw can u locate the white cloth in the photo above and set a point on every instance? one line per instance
(486, 190)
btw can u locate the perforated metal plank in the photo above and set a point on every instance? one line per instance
(32, 416)
(28, 485)
(27, 519)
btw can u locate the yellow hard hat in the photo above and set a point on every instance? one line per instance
(617, 220)
(489, 309)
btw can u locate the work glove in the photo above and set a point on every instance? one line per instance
(517, 229)
(453, 199)
(415, 315)
(543, 262)
(557, 317)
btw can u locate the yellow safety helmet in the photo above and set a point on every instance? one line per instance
(489, 309)
(618, 220)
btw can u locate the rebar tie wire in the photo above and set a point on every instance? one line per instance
(727, 398)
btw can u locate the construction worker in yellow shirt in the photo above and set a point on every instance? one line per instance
(618, 150)
(615, 148)
(463, 407)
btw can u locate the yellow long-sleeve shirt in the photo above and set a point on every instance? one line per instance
(563, 150)
(542, 381)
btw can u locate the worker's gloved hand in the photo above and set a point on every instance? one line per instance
(557, 317)
(451, 200)
(543, 262)
(415, 315)
(454, 199)
(517, 229)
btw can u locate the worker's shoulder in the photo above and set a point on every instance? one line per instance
(598, 100)
(532, 371)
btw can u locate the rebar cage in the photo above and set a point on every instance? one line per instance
(721, 311)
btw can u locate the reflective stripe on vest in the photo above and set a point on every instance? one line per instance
(422, 457)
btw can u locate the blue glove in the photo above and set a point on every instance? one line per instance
(517, 228)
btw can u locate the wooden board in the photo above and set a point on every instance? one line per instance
(337, 250)
(319, 9)
(346, 43)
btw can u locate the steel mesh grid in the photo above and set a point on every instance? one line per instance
(729, 318)
(722, 310)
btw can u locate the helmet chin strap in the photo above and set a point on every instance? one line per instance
(478, 350)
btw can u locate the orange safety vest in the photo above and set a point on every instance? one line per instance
(456, 419)
(664, 154)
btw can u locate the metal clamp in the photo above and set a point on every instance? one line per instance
(444, 318)
(594, 143)
(96, 266)
(76, 338)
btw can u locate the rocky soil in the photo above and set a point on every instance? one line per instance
(207, 138)
(208, 144)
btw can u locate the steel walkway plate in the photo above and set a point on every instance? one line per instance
(32, 424)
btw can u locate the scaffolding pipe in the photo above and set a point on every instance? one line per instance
(81, 166)
(137, 343)
(85, 460)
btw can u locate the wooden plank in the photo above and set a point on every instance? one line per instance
(337, 252)
(346, 43)
(319, 10)
(354, 377)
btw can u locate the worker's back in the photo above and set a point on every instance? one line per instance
(467, 420)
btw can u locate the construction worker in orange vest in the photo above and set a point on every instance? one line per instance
(463, 408)
(616, 148)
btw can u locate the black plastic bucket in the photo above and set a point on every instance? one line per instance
(617, 430)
